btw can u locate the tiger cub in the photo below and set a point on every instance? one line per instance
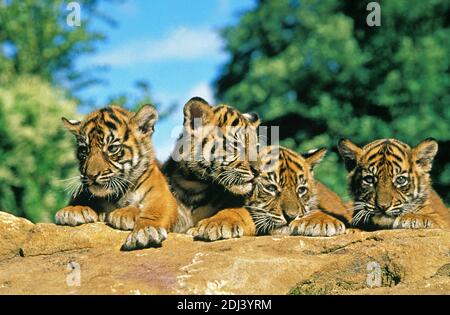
(391, 186)
(120, 181)
(285, 200)
(214, 162)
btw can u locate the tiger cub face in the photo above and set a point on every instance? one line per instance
(387, 179)
(285, 190)
(219, 145)
(113, 148)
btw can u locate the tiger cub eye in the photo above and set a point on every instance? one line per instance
(272, 188)
(401, 180)
(369, 179)
(114, 148)
(302, 190)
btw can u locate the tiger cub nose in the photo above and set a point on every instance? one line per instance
(383, 205)
(92, 178)
(255, 167)
(289, 215)
(255, 170)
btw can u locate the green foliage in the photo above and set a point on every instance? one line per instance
(38, 78)
(41, 43)
(35, 149)
(319, 72)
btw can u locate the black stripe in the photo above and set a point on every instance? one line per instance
(396, 164)
(110, 125)
(121, 111)
(93, 120)
(398, 158)
(373, 156)
(115, 118)
(149, 173)
(377, 146)
(145, 194)
(400, 149)
(204, 142)
(289, 159)
(126, 135)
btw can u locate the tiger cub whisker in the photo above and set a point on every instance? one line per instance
(390, 183)
(120, 181)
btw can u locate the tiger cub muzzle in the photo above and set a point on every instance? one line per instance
(219, 145)
(284, 191)
(390, 184)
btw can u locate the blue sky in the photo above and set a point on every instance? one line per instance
(172, 44)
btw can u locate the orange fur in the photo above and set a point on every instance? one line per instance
(121, 183)
(391, 185)
(276, 206)
(202, 180)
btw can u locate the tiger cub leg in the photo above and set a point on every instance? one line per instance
(75, 215)
(157, 215)
(147, 232)
(151, 226)
(227, 223)
(317, 223)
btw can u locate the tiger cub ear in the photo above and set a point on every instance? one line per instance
(197, 112)
(424, 153)
(253, 118)
(72, 125)
(350, 153)
(314, 157)
(145, 119)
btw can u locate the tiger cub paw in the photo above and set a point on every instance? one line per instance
(413, 221)
(214, 229)
(281, 231)
(75, 215)
(317, 224)
(145, 237)
(122, 218)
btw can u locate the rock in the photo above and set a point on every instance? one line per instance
(50, 259)
(13, 233)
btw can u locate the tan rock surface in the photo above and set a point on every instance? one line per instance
(47, 259)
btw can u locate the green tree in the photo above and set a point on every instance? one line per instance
(37, 40)
(38, 78)
(36, 152)
(317, 69)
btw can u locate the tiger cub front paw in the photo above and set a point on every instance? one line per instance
(122, 218)
(413, 221)
(317, 223)
(145, 237)
(214, 229)
(75, 215)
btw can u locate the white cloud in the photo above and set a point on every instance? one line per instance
(203, 90)
(180, 44)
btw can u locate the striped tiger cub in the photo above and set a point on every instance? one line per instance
(120, 180)
(285, 200)
(212, 167)
(391, 187)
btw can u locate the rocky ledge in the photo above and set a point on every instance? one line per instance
(49, 259)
